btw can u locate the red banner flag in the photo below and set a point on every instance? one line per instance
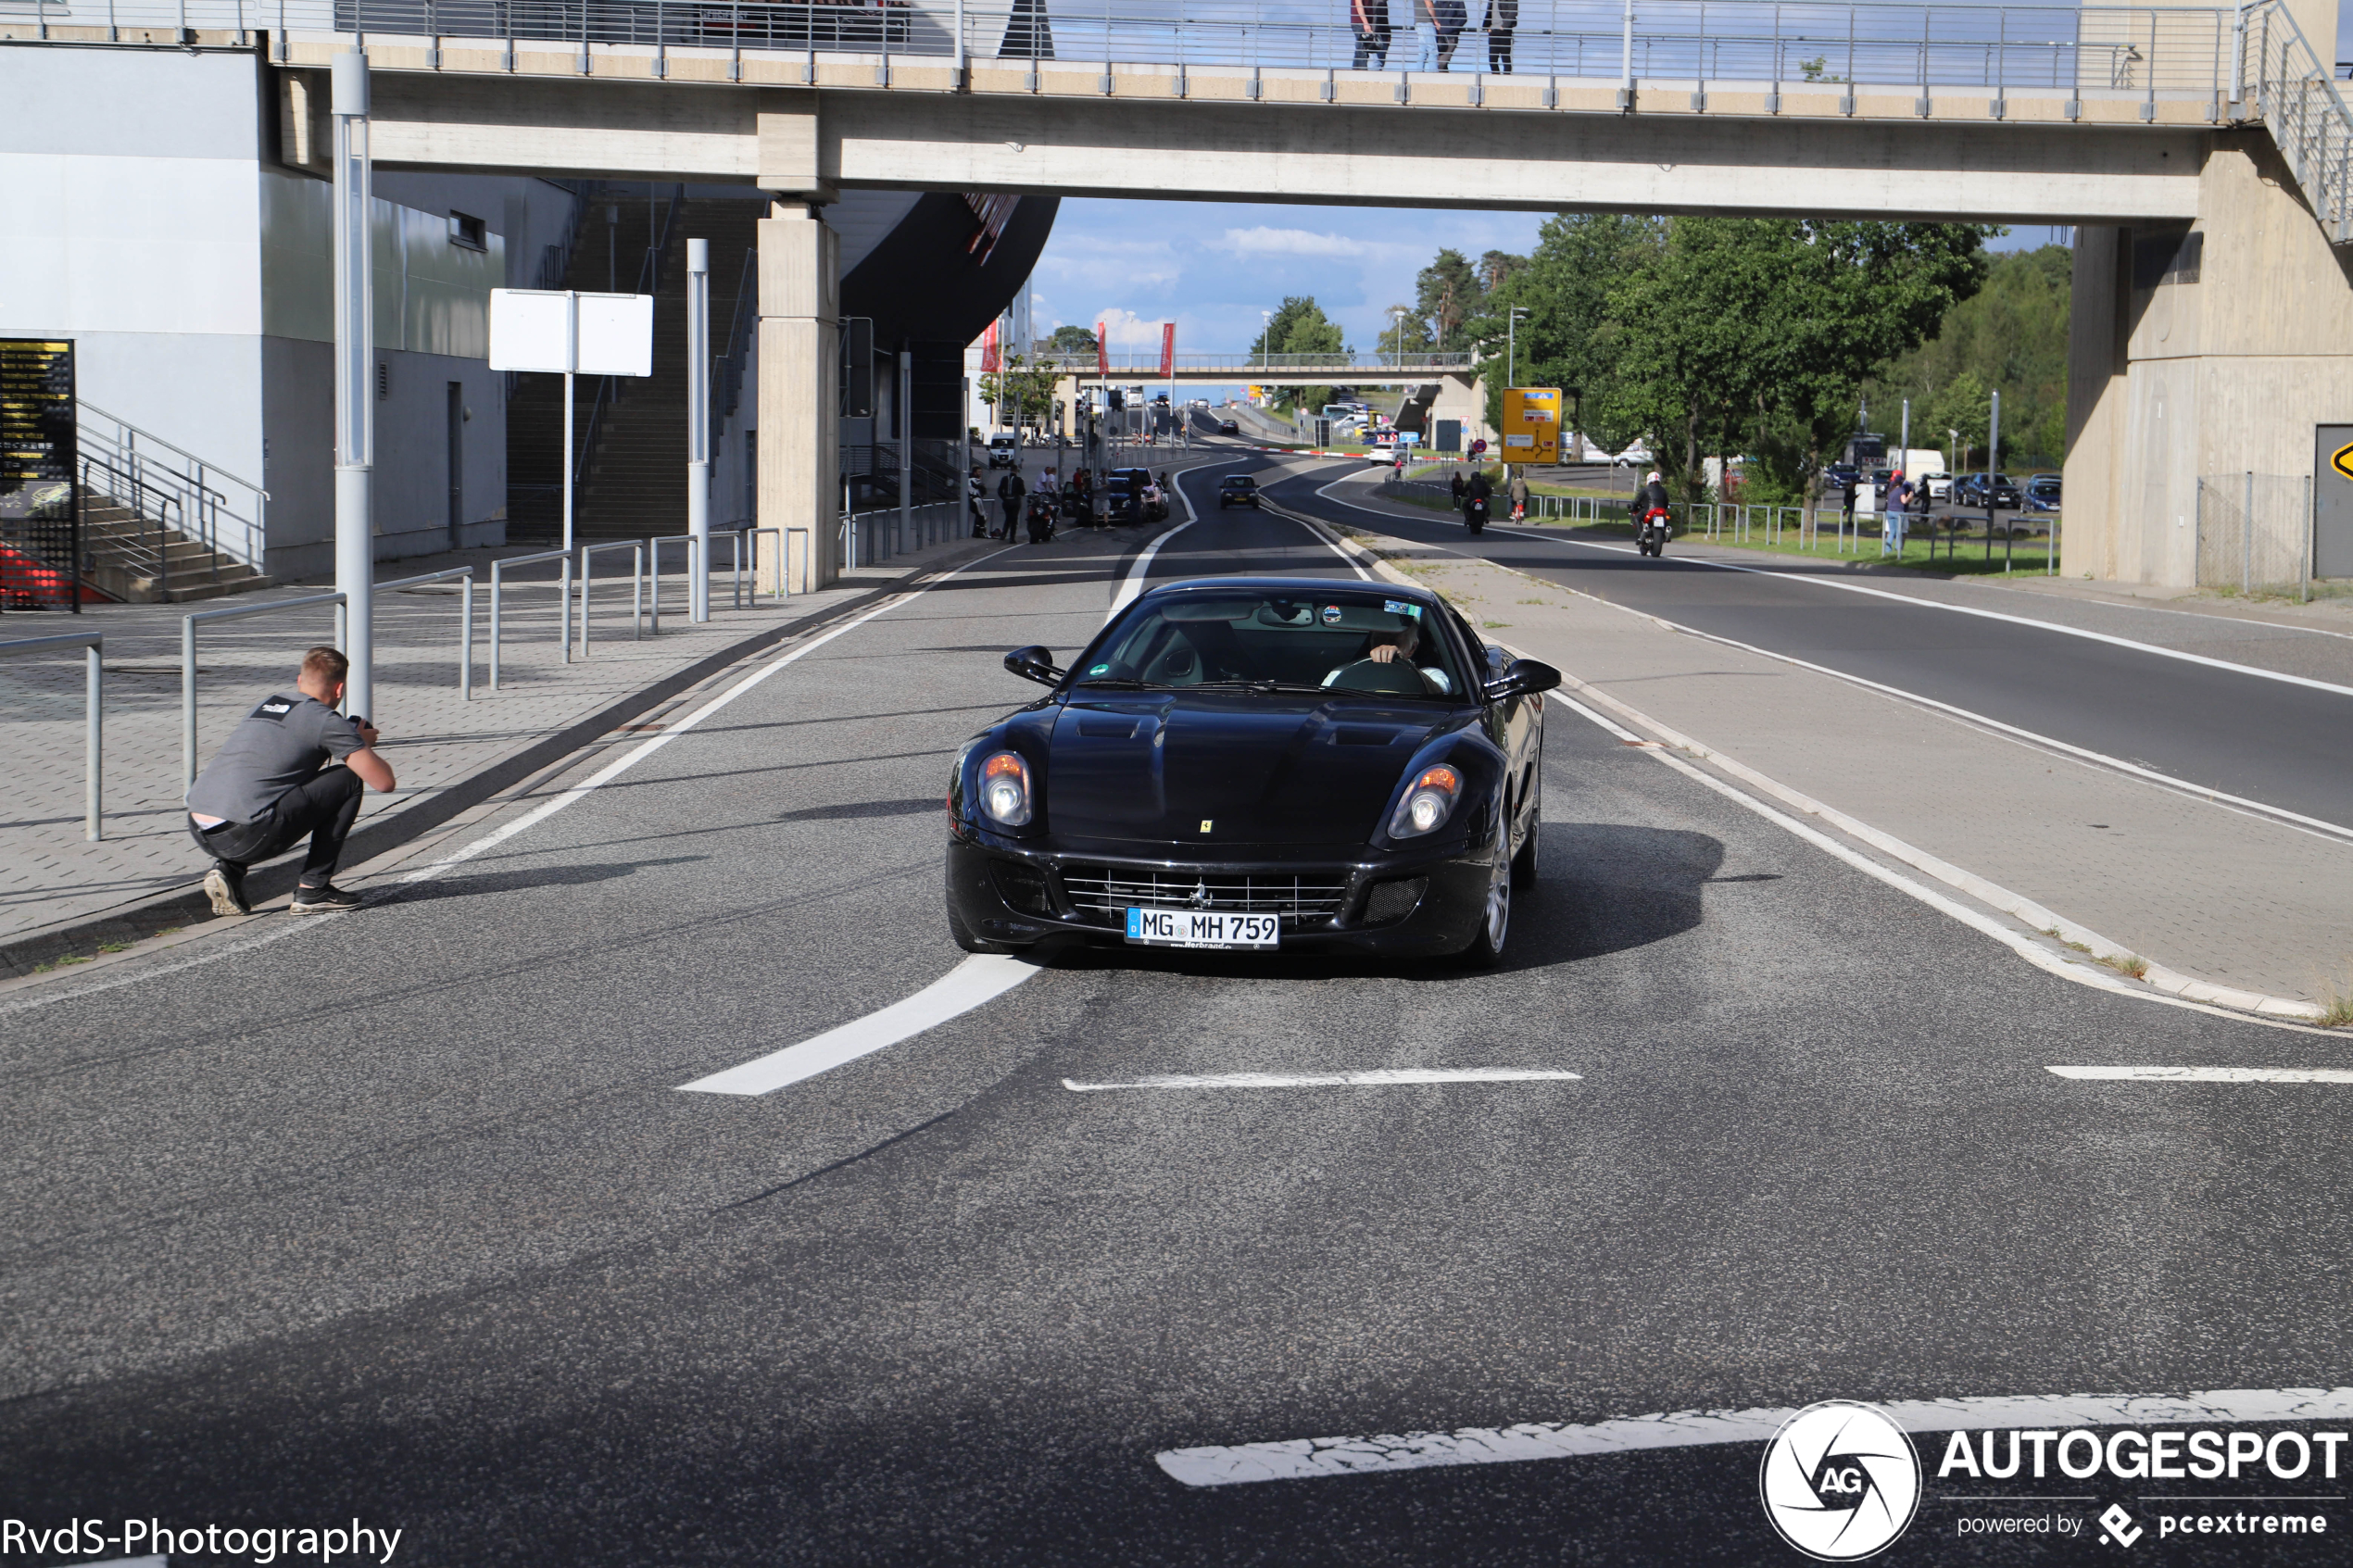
(1102, 350)
(988, 360)
(1167, 350)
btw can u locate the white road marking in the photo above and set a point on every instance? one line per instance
(2210, 1074)
(1133, 588)
(1375, 1078)
(1304, 1459)
(1322, 535)
(980, 978)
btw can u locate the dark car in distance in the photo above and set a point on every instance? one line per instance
(1258, 763)
(1236, 490)
(1227, 427)
(2042, 493)
(1973, 489)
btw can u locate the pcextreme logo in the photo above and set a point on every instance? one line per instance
(1840, 1480)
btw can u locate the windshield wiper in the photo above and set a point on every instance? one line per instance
(1268, 688)
(1124, 683)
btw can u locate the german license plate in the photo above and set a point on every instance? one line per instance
(1200, 928)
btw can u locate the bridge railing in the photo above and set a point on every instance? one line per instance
(2284, 82)
(1146, 366)
(1673, 44)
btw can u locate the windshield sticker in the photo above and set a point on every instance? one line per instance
(1401, 607)
(1098, 669)
(1331, 615)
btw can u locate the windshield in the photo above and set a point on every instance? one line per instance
(1275, 641)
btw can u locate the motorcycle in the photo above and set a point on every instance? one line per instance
(1650, 538)
(1040, 518)
(1474, 513)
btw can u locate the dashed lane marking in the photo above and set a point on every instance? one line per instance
(981, 978)
(1304, 1459)
(1375, 1078)
(2209, 1074)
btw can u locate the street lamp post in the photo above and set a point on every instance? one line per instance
(1511, 349)
(354, 396)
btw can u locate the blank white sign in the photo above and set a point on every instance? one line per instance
(616, 334)
(529, 331)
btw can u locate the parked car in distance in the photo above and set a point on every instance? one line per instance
(1979, 489)
(1227, 427)
(1004, 452)
(1236, 490)
(2042, 493)
(1924, 466)
(1121, 489)
(1840, 476)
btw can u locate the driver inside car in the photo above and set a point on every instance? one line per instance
(1391, 647)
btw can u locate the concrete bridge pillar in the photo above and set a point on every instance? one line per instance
(2211, 349)
(799, 444)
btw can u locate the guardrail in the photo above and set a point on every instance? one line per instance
(653, 555)
(636, 585)
(234, 612)
(465, 618)
(92, 720)
(1673, 44)
(498, 585)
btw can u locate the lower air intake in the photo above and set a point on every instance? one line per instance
(1392, 901)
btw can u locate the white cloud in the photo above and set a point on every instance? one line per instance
(1125, 329)
(1264, 241)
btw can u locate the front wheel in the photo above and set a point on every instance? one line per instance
(1486, 949)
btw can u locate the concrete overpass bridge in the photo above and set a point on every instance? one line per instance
(1457, 391)
(2204, 154)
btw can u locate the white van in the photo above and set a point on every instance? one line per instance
(1924, 466)
(1004, 451)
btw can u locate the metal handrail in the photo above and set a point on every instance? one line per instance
(202, 504)
(465, 622)
(653, 557)
(498, 586)
(92, 720)
(636, 585)
(235, 612)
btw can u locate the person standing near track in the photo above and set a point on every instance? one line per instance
(294, 767)
(1010, 490)
(1502, 20)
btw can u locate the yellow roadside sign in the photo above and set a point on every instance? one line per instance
(2342, 460)
(1531, 425)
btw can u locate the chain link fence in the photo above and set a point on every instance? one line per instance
(2255, 532)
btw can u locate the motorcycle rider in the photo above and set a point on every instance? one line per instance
(1477, 492)
(1652, 503)
(1518, 491)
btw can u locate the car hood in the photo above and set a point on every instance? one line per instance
(1257, 770)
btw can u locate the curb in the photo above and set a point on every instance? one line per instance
(145, 918)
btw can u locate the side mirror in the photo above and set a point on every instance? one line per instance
(1523, 677)
(1037, 663)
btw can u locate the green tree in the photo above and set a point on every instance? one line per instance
(1447, 295)
(1570, 337)
(1025, 392)
(1071, 340)
(1301, 327)
(2010, 334)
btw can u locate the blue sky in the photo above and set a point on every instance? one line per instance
(1213, 267)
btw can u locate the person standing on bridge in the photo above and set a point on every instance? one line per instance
(1010, 490)
(1454, 20)
(1369, 21)
(1503, 19)
(294, 767)
(1425, 34)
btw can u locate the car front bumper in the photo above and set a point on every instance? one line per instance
(1026, 896)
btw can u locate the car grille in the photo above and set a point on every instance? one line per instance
(1102, 895)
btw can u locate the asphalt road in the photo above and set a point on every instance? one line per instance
(2283, 745)
(400, 1216)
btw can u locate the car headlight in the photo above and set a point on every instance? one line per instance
(1004, 789)
(1427, 804)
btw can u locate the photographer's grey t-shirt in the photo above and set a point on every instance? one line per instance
(284, 742)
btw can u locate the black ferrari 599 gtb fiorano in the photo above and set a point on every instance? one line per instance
(1257, 763)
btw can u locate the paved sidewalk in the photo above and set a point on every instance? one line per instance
(52, 881)
(2210, 893)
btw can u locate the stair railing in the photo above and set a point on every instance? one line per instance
(609, 387)
(225, 513)
(2282, 81)
(727, 370)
